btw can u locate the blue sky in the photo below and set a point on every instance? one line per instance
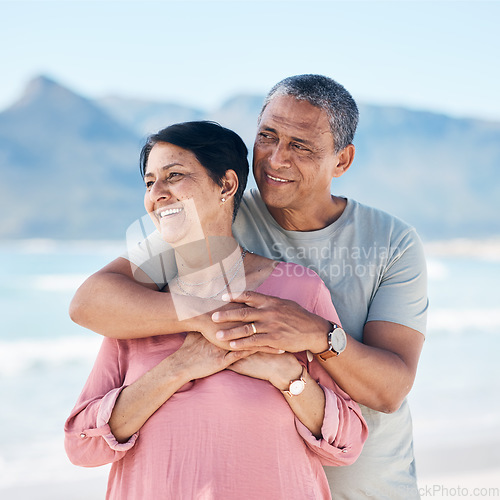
(436, 55)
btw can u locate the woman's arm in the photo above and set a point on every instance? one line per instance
(195, 359)
(328, 420)
(280, 370)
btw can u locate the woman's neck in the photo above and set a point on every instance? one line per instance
(201, 256)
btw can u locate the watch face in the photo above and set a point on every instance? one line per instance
(339, 340)
(296, 387)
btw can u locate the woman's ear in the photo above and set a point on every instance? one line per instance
(230, 184)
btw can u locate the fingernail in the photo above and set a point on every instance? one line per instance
(219, 335)
(225, 297)
(280, 351)
(232, 344)
(215, 316)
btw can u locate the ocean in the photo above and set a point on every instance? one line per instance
(45, 358)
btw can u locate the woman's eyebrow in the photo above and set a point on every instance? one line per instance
(165, 167)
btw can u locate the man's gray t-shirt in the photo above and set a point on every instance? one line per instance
(374, 266)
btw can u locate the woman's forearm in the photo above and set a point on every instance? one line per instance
(309, 406)
(138, 401)
(197, 358)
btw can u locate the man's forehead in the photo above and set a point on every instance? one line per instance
(292, 112)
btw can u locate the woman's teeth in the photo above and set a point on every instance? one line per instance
(170, 211)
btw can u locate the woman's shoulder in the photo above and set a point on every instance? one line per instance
(294, 282)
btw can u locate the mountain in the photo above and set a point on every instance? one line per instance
(439, 173)
(67, 169)
(69, 164)
(146, 117)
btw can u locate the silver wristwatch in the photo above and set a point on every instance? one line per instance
(337, 342)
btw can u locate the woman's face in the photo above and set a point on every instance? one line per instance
(181, 198)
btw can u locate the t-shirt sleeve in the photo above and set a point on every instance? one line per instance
(153, 256)
(401, 296)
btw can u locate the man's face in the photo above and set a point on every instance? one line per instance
(294, 158)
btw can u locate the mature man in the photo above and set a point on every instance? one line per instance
(372, 263)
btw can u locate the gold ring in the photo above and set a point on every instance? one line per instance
(253, 328)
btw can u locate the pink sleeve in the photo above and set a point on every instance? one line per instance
(89, 441)
(344, 430)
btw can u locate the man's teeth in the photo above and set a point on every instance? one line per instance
(170, 211)
(276, 179)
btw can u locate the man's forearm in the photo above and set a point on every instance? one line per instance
(373, 375)
(116, 306)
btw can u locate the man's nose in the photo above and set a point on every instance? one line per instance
(279, 157)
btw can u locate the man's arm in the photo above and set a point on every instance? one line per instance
(377, 373)
(120, 301)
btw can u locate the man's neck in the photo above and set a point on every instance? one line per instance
(310, 218)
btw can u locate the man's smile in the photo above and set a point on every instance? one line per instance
(277, 179)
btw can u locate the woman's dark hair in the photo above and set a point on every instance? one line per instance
(217, 148)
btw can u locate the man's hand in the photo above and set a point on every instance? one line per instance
(209, 329)
(278, 323)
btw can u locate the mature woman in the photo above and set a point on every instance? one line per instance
(180, 417)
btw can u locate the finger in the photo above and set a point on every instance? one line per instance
(237, 332)
(258, 341)
(236, 314)
(233, 356)
(252, 299)
(270, 350)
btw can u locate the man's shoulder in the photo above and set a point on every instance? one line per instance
(363, 211)
(373, 220)
(252, 201)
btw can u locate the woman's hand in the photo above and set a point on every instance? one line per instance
(198, 357)
(279, 369)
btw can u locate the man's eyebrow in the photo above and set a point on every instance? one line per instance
(295, 139)
(165, 167)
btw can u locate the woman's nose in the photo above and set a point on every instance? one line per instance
(159, 191)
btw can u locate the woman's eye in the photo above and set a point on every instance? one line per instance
(173, 175)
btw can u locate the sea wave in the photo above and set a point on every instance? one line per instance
(20, 356)
(56, 282)
(457, 320)
(49, 246)
(487, 249)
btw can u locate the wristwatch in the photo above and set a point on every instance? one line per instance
(297, 386)
(337, 342)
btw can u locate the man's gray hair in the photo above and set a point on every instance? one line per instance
(326, 94)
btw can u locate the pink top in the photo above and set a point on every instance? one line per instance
(223, 437)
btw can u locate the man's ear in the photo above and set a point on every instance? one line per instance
(345, 159)
(230, 184)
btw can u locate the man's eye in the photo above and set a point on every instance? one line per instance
(149, 184)
(265, 136)
(300, 147)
